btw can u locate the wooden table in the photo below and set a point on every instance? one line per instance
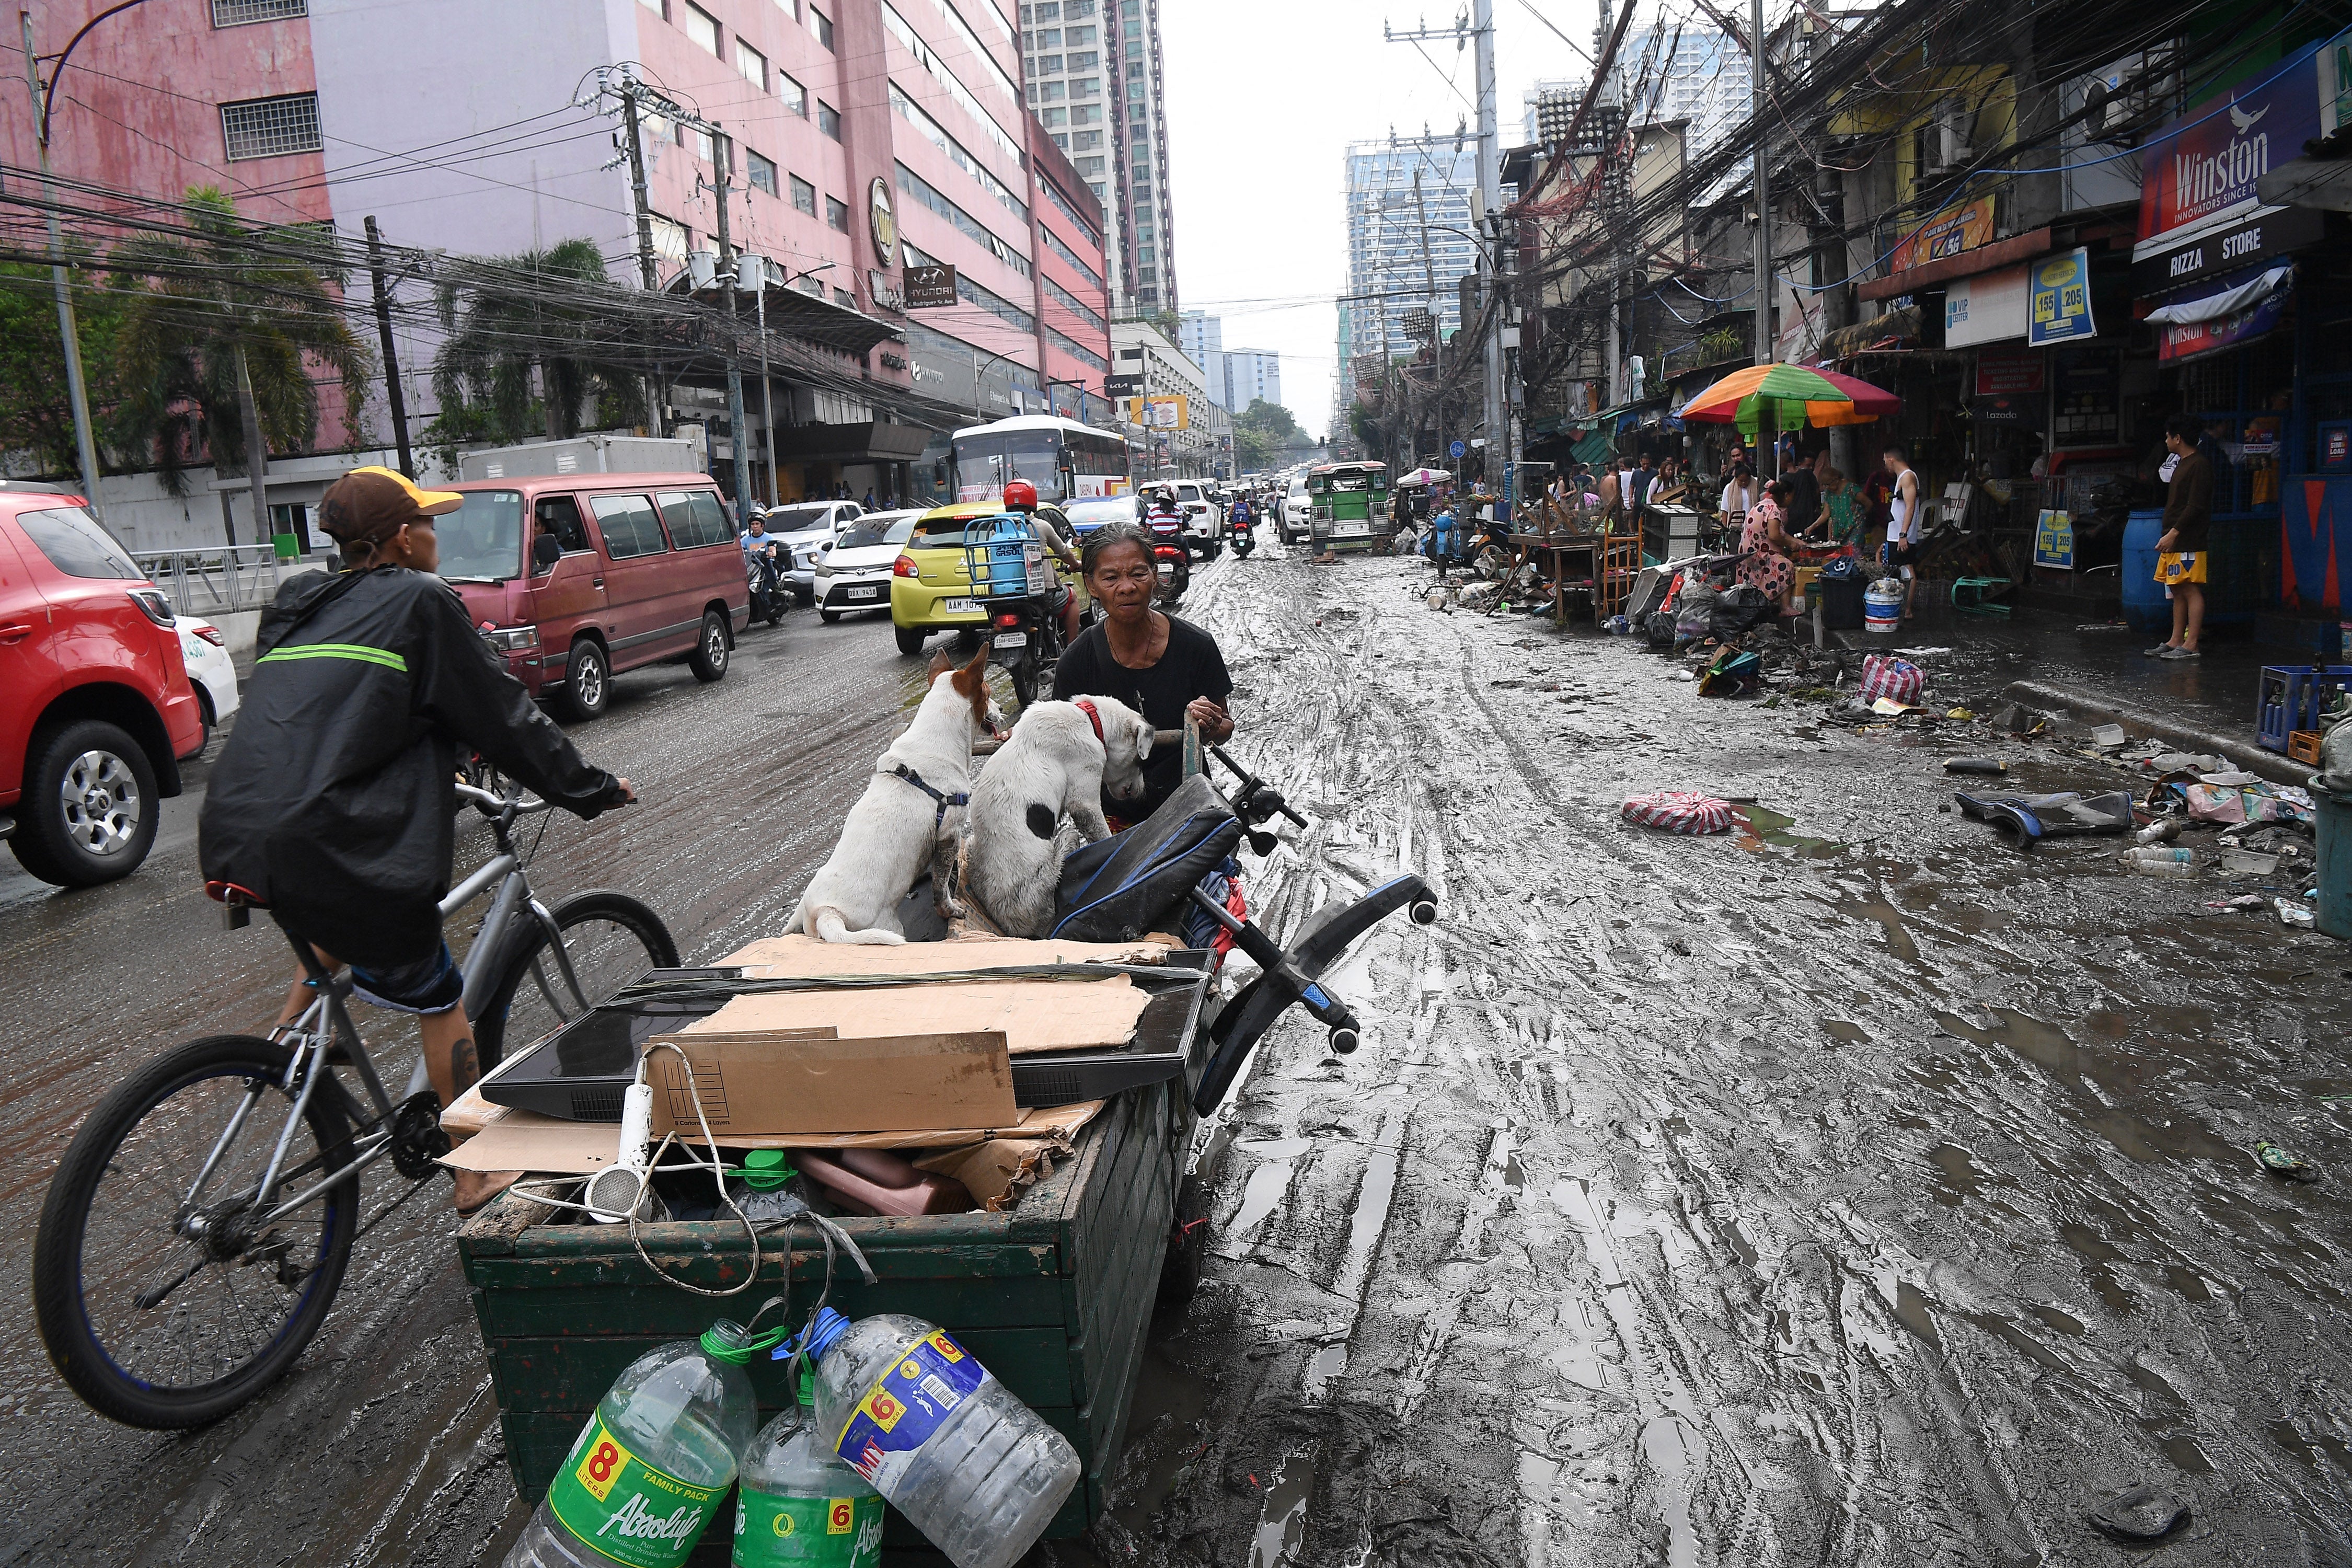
(1612, 561)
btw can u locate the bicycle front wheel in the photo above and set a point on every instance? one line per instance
(167, 1302)
(610, 938)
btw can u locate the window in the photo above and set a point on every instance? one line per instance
(752, 64)
(1049, 38)
(845, 299)
(794, 95)
(1085, 86)
(789, 8)
(1062, 140)
(1089, 167)
(804, 195)
(1085, 140)
(929, 195)
(238, 13)
(822, 26)
(912, 42)
(658, 7)
(271, 127)
(694, 517)
(971, 293)
(1052, 118)
(699, 142)
(836, 214)
(1071, 301)
(907, 109)
(761, 173)
(1049, 65)
(77, 546)
(1135, 92)
(1084, 62)
(557, 518)
(628, 525)
(1100, 194)
(828, 120)
(1076, 8)
(1087, 114)
(701, 27)
(1051, 93)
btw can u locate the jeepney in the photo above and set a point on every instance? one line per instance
(1347, 506)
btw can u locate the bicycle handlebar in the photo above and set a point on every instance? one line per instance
(499, 802)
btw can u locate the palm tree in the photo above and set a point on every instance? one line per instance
(221, 324)
(514, 320)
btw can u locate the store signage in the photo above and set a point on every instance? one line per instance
(1986, 309)
(2269, 233)
(2054, 541)
(2188, 339)
(1159, 412)
(2006, 374)
(1948, 233)
(2062, 299)
(2022, 410)
(2202, 169)
(1122, 387)
(883, 218)
(2086, 411)
(929, 288)
(883, 289)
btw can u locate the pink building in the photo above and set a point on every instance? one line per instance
(866, 136)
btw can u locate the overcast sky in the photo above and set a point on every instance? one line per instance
(1262, 98)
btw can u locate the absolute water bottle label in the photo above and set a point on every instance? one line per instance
(838, 1532)
(623, 1507)
(906, 1405)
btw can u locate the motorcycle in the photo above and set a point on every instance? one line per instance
(762, 577)
(1241, 533)
(1170, 554)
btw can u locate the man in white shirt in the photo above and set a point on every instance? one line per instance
(1903, 522)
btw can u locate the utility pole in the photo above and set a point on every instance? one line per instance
(391, 357)
(767, 387)
(1490, 196)
(1763, 188)
(1437, 322)
(722, 149)
(68, 333)
(1604, 96)
(648, 274)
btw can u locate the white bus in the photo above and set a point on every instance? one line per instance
(1066, 460)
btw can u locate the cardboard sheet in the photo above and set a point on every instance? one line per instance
(759, 1082)
(1032, 1015)
(776, 956)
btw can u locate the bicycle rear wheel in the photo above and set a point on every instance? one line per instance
(164, 1314)
(612, 939)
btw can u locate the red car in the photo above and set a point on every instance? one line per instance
(96, 709)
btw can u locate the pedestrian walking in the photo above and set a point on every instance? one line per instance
(1903, 522)
(2180, 556)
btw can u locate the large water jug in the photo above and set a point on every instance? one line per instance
(799, 1503)
(977, 1472)
(653, 1464)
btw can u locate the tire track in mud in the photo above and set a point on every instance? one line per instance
(1728, 1324)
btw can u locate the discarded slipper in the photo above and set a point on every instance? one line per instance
(2281, 1161)
(2139, 1512)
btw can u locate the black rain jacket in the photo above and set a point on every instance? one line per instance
(334, 800)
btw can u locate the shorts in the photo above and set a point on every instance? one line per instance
(429, 985)
(2180, 566)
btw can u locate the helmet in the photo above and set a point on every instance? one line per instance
(1021, 496)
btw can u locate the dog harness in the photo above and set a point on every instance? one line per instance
(943, 801)
(1086, 705)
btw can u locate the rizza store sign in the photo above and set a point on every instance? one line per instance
(2200, 171)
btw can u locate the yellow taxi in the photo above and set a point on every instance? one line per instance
(930, 584)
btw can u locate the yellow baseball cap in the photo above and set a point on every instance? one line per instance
(374, 504)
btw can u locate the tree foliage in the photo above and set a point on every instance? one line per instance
(192, 301)
(36, 414)
(522, 357)
(1261, 432)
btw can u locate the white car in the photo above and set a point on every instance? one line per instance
(1196, 504)
(1296, 513)
(805, 528)
(853, 573)
(210, 671)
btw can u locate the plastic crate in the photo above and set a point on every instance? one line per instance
(2292, 697)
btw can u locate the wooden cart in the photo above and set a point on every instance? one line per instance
(1053, 1296)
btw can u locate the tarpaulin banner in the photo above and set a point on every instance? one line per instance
(2207, 162)
(2062, 299)
(1948, 233)
(2188, 339)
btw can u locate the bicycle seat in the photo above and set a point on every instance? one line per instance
(229, 893)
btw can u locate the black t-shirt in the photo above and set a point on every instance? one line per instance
(1804, 499)
(1190, 666)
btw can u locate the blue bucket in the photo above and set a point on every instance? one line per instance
(1881, 612)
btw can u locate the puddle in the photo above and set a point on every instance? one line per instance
(1267, 1185)
(2043, 1044)
(1764, 825)
(1279, 1149)
(1839, 1029)
(1282, 1518)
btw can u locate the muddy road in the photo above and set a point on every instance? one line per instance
(1862, 1193)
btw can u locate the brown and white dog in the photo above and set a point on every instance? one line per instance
(905, 819)
(1063, 758)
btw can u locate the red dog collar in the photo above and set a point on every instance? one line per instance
(1086, 705)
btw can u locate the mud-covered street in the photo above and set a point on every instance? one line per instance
(1860, 1192)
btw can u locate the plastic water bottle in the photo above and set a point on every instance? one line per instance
(973, 1468)
(2155, 860)
(799, 1502)
(2160, 832)
(764, 1191)
(654, 1463)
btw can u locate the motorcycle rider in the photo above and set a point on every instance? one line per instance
(1021, 499)
(1244, 521)
(760, 551)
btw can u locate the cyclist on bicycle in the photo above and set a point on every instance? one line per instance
(332, 802)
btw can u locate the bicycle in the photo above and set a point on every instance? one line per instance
(167, 1299)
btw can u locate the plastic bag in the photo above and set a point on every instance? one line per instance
(1738, 610)
(1884, 675)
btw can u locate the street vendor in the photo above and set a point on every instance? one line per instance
(1841, 517)
(1764, 547)
(1166, 669)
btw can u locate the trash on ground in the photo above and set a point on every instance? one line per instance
(1679, 811)
(2155, 861)
(2139, 1512)
(2294, 912)
(2108, 737)
(2248, 862)
(1975, 766)
(2281, 1161)
(2026, 819)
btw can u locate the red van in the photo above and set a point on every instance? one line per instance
(96, 710)
(583, 576)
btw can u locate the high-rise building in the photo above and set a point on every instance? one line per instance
(1687, 73)
(1095, 84)
(1409, 241)
(1235, 376)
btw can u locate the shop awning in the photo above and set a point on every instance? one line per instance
(2227, 317)
(2322, 182)
(1594, 448)
(2228, 300)
(1896, 329)
(876, 442)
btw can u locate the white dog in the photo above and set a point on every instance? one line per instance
(901, 823)
(1062, 758)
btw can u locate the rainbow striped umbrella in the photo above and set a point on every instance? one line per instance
(1799, 395)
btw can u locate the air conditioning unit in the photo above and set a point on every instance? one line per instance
(1947, 138)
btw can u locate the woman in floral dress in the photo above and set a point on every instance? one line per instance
(1764, 547)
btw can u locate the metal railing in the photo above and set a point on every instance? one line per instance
(214, 582)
